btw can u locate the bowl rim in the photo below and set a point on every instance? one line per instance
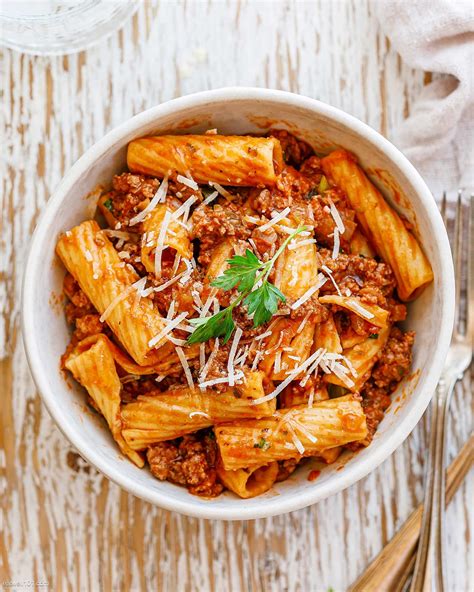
(340, 480)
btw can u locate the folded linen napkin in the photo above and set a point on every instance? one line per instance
(438, 37)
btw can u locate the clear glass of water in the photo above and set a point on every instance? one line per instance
(55, 27)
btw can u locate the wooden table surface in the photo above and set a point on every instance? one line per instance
(64, 524)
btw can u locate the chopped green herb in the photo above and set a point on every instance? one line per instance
(109, 205)
(244, 273)
(374, 336)
(323, 184)
(241, 273)
(263, 444)
(312, 193)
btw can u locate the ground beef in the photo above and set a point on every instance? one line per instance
(318, 312)
(137, 185)
(370, 280)
(294, 151)
(266, 242)
(285, 468)
(324, 228)
(128, 192)
(212, 224)
(188, 461)
(80, 313)
(79, 304)
(393, 365)
(182, 295)
(291, 189)
(87, 325)
(395, 361)
(133, 256)
(145, 386)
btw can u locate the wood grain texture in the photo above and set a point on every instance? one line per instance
(62, 522)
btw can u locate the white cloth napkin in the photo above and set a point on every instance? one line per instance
(437, 36)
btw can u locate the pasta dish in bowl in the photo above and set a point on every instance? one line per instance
(238, 306)
(226, 332)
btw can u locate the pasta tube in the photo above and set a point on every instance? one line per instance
(370, 312)
(228, 160)
(286, 348)
(94, 368)
(359, 245)
(248, 483)
(169, 364)
(362, 357)
(300, 431)
(382, 225)
(175, 237)
(326, 336)
(296, 270)
(181, 411)
(91, 259)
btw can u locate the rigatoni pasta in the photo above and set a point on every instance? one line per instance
(231, 314)
(228, 160)
(294, 432)
(386, 230)
(92, 260)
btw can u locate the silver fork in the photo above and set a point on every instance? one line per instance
(428, 574)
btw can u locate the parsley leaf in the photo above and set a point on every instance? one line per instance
(244, 272)
(241, 273)
(374, 336)
(219, 325)
(263, 302)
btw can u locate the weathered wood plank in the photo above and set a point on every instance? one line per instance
(64, 523)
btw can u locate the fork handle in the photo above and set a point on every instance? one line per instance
(428, 575)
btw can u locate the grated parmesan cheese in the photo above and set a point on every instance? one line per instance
(233, 349)
(276, 218)
(164, 332)
(221, 190)
(238, 375)
(326, 269)
(122, 296)
(296, 245)
(336, 217)
(160, 243)
(309, 292)
(188, 182)
(291, 375)
(205, 370)
(262, 336)
(170, 282)
(185, 365)
(362, 311)
(337, 244)
(210, 198)
(159, 196)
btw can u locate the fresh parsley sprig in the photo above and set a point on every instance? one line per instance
(249, 276)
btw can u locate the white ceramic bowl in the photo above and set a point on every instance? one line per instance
(237, 111)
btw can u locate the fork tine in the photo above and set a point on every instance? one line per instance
(457, 257)
(443, 210)
(470, 272)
